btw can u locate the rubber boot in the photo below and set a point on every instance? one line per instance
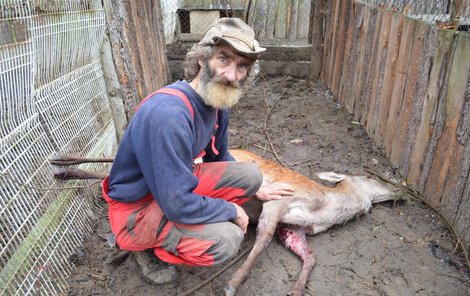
(153, 270)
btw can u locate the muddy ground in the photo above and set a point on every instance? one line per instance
(399, 248)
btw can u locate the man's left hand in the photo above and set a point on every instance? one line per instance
(274, 191)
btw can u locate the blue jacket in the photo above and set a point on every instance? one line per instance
(156, 156)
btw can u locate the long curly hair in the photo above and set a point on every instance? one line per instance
(205, 52)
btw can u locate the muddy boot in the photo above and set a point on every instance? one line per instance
(154, 270)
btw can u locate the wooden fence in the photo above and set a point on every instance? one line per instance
(279, 20)
(275, 22)
(408, 84)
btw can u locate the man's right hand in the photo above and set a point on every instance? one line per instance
(242, 218)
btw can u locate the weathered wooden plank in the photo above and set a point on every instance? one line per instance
(311, 17)
(409, 62)
(438, 123)
(366, 91)
(360, 82)
(357, 54)
(341, 42)
(294, 15)
(423, 150)
(303, 19)
(399, 111)
(326, 41)
(379, 73)
(349, 60)
(447, 166)
(396, 27)
(270, 18)
(462, 203)
(333, 39)
(424, 46)
(280, 27)
(317, 60)
(177, 51)
(287, 53)
(259, 18)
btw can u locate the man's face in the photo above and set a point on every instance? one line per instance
(222, 77)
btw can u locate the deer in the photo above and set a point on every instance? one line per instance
(313, 208)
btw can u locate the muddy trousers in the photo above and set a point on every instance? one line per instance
(141, 225)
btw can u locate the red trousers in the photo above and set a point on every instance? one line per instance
(142, 225)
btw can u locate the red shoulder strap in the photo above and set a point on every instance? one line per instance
(182, 96)
(170, 91)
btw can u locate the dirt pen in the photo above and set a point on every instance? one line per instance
(379, 88)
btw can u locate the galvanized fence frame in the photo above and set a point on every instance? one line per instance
(52, 100)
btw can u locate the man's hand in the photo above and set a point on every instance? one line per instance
(242, 218)
(274, 191)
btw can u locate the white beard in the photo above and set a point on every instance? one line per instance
(220, 95)
(217, 91)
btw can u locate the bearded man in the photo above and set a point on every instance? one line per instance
(158, 198)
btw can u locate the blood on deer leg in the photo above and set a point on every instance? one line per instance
(296, 241)
(272, 212)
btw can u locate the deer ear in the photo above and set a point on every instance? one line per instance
(331, 177)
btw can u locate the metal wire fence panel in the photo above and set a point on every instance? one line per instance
(75, 109)
(16, 77)
(52, 100)
(274, 22)
(75, 37)
(451, 14)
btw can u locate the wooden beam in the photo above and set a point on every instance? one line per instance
(316, 64)
(177, 51)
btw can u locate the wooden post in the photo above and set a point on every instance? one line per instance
(136, 36)
(316, 63)
(111, 79)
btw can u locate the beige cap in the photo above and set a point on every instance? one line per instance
(235, 33)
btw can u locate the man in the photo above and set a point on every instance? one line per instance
(159, 199)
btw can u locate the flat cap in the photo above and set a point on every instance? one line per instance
(235, 33)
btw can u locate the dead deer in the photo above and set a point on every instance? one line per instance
(313, 208)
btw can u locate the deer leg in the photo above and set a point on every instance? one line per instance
(72, 159)
(296, 241)
(270, 216)
(74, 173)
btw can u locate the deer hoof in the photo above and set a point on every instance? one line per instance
(230, 291)
(60, 174)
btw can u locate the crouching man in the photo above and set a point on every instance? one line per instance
(158, 198)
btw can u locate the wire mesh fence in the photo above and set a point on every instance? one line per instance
(274, 22)
(450, 14)
(52, 100)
